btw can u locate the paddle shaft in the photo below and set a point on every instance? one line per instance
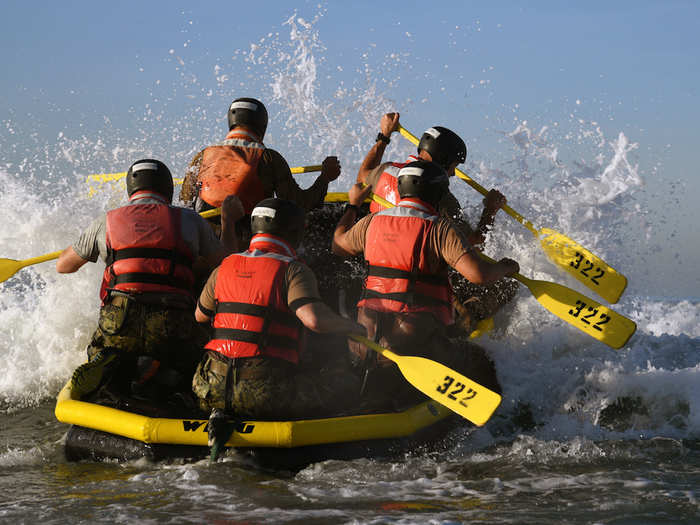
(41, 258)
(109, 177)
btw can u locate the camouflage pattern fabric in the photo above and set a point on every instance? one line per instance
(268, 388)
(88, 376)
(128, 329)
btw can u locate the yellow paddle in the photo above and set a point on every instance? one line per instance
(567, 254)
(110, 177)
(587, 315)
(9, 267)
(449, 388)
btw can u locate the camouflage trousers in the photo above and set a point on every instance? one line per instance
(128, 329)
(272, 389)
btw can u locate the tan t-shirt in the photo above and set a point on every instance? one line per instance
(445, 243)
(299, 281)
(276, 179)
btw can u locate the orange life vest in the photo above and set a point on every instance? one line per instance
(252, 317)
(231, 168)
(398, 280)
(387, 186)
(145, 249)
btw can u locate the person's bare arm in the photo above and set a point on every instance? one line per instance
(318, 317)
(276, 175)
(231, 212)
(356, 197)
(478, 271)
(69, 261)
(493, 202)
(200, 316)
(206, 304)
(388, 124)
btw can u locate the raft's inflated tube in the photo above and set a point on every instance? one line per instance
(279, 434)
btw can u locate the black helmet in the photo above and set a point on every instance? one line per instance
(248, 112)
(444, 146)
(149, 174)
(279, 217)
(424, 180)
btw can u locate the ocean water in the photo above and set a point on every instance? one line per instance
(614, 435)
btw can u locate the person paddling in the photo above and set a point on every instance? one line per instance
(447, 149)
(146, 331)
(259, 303)
(407, 301)
(437, 144)
(242, 165)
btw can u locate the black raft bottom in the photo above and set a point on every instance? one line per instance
(89, 444)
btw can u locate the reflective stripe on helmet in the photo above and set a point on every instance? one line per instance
(139, 166)
(240, 104)
(264, 211)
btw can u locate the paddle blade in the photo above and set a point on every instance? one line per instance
(446, 386)
(585, 266)
(450, 388)
(596, 320)
(8, 267)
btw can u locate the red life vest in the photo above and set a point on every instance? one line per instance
(145, 249)
(398, 280)
(231, 168)
(387, 186)
(252, 317)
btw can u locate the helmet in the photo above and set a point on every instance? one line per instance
(444, 146)
(248, 112)
(149, 174)
(279, 217)
(424, 180)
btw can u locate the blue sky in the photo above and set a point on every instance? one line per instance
(630, 67)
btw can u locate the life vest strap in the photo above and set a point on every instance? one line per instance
(394, 273)
(148, 253)
(258, 338)
(256, 310)
(411, 298)
(149, 278)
